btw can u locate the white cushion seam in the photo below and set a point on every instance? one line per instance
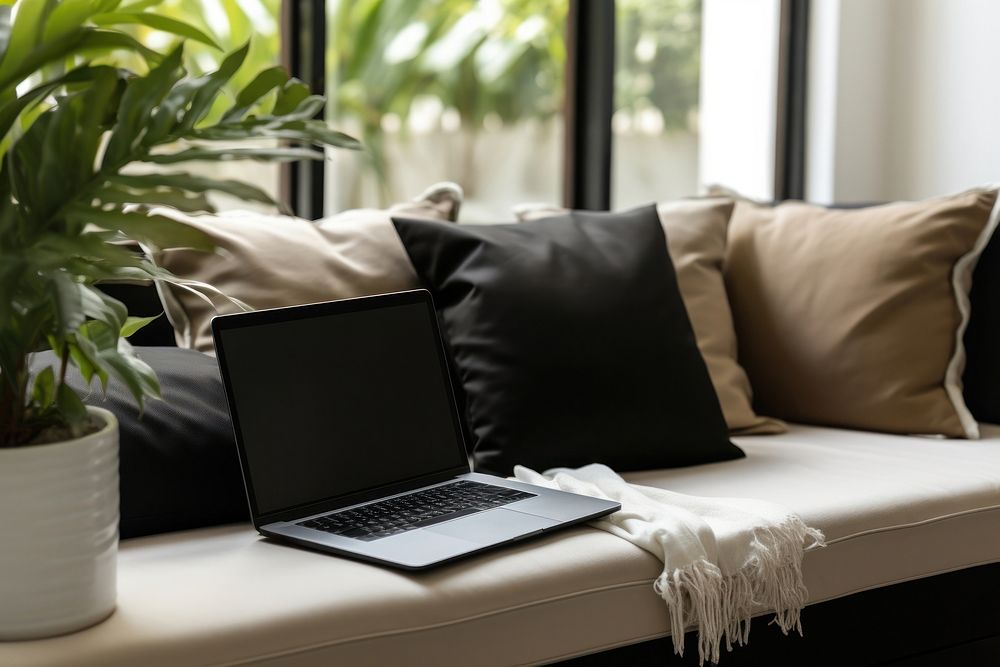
(441, 624)
(923, 522)
(604, 647)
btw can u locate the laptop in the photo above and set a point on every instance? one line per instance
(351, 443)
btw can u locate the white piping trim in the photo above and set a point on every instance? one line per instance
(961, 282)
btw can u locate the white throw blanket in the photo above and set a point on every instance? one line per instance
(723, 558)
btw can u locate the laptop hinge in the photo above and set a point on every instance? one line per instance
(330, 504)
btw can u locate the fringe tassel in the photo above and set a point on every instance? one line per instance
(721, 606)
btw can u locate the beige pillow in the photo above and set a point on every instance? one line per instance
(271, 261)
(854, 318)
(696, 240)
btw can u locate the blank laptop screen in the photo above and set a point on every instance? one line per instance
(340, 403)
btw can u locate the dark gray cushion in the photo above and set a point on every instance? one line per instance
(981, 380)
(179, 466)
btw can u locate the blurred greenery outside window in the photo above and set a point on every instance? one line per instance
(655, 121)
(472, 91)
(469, 91)
(230, 23)
(462, 90)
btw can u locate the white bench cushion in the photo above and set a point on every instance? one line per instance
(893, 508)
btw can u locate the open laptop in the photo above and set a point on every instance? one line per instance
(350, 440)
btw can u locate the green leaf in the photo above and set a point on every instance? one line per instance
(65, 294)
(185, 181)
(45, 173)
(307, 109)
(201, 103)
(54, 54)
(292, 94)
(44, 391)
(156, 22)
(223, 154)
(134, 372)
(88, 255)
(133, 324)
(10, 111)
(179, 199)
(103, 308)
(87, 367)
(169, 113)
(4, 29)
(25, 34)
(306, 131)
(11, 268)
(201, 290)
(139, 6)
(71, 14)
(100, 335)
(14, 70)
(71, 408)
(141, 97)
(115, 357)
(157, 230)
(111, 40)
(262, 84)
(78, 121)
(367, 29)
(11, 359)
(88, 351)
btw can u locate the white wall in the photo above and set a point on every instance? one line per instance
(945, 129)
(847, 120)
(903, 99)
(739, 55)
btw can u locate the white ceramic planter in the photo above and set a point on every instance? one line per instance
(59, 534)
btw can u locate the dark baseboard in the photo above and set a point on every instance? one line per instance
(948, 619)
(984, 651)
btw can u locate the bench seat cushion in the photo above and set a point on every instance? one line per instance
(893, 508)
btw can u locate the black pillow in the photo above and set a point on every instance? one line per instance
(143, 301)
(570, 342)
(981, 379)
(178, 463)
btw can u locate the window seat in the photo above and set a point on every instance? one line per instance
(893, 509)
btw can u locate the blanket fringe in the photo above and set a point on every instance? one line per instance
(721, 606)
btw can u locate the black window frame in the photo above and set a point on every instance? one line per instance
(590, 95)
(590, 76)
(303, 53)
(790, 137)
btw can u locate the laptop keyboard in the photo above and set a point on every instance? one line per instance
(415, 510)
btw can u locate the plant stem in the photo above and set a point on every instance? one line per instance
(64, 362)
(8, 411)
(12, 406)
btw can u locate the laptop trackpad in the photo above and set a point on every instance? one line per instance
(493, 526)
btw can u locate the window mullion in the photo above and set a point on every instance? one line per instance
(790, 137)
(303, 51)
(590, 71)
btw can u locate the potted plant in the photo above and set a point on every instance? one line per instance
(72, 130)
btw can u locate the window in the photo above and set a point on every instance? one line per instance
(524, 100)
(655, 120)
(231, 23)
(469, 91)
